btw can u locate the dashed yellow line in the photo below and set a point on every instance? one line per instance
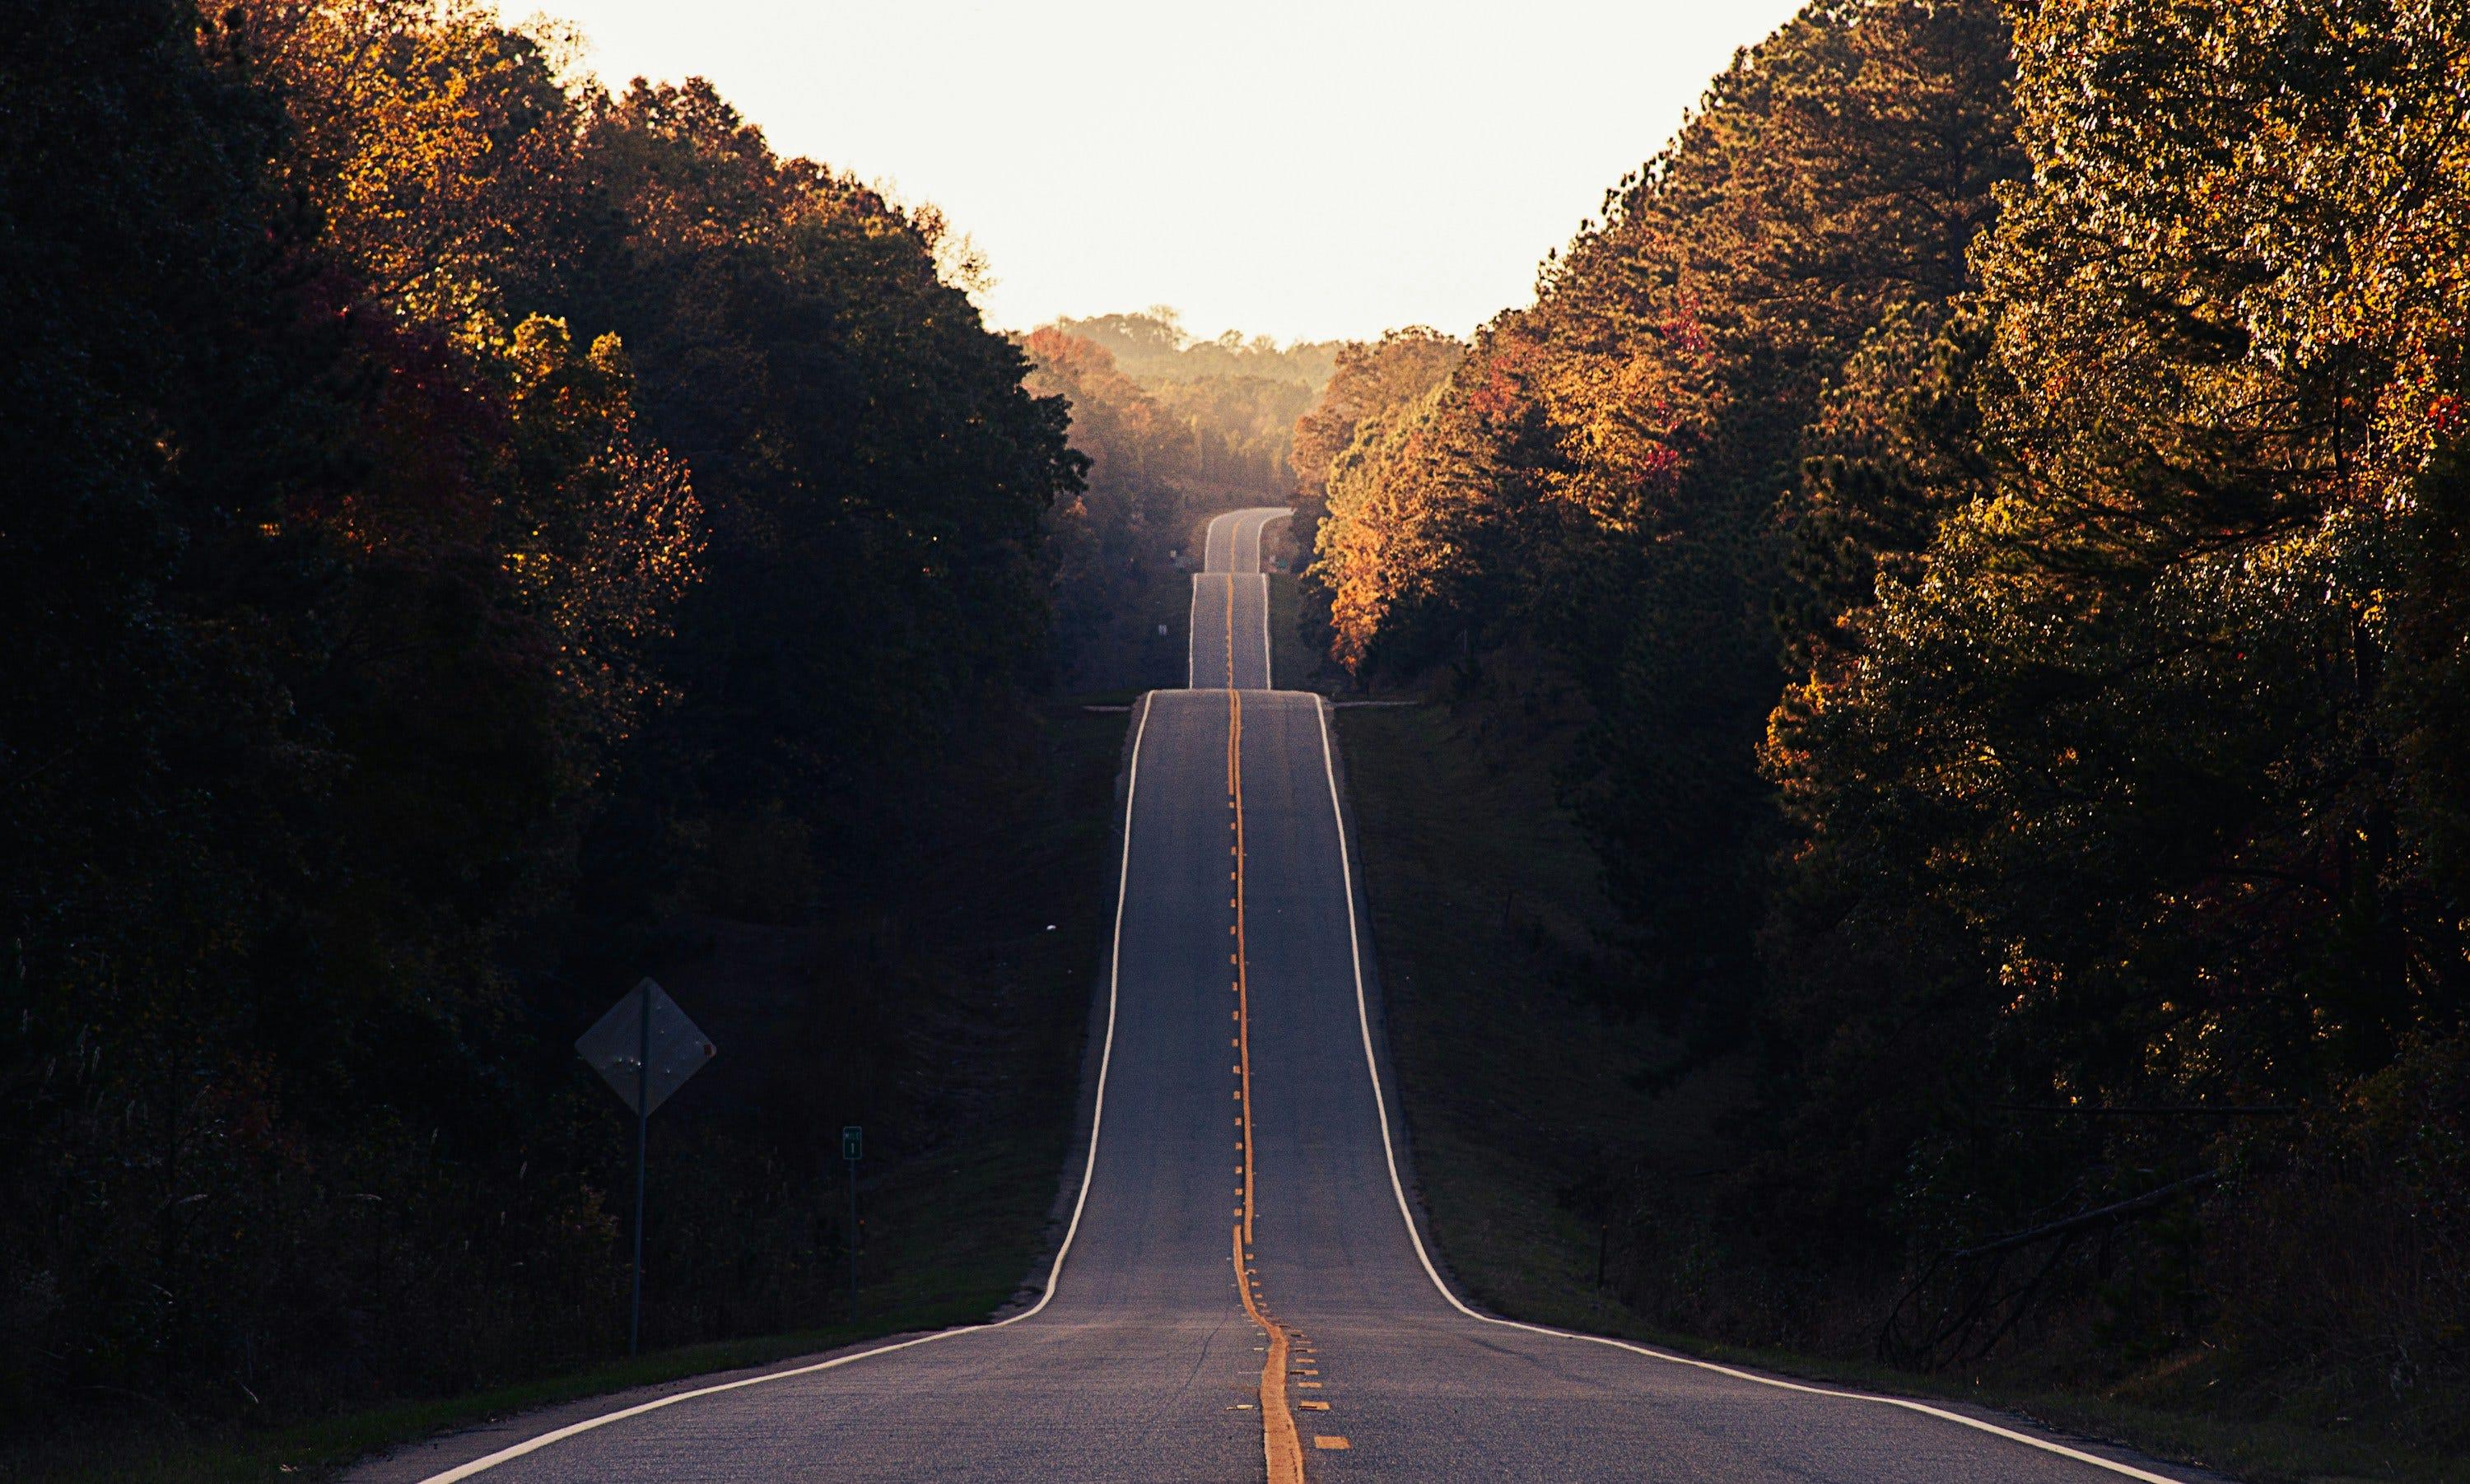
(1281, 1447)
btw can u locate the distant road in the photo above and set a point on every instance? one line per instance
(1241, 1233)
(1231, 607)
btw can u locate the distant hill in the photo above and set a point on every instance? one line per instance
(1153, 348)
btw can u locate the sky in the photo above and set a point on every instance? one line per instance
(1301, 169)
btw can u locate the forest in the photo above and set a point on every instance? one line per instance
(1985, 511)
(464, 524)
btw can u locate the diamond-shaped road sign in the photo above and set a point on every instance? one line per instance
(679, 1049)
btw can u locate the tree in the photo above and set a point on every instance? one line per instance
(1617, 450)
(432, 472)
(875, 475)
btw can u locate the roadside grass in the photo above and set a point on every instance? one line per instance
(974, 1222)
(1280, 552)
(1293, 665)
(955, 1231)
(1516, 1091)
(315, 1450)
(1516, 1085)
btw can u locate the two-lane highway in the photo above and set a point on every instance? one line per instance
(1242, 1292)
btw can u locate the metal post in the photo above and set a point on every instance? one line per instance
(642, 1127)
(853, 1241)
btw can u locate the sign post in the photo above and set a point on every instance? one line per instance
(852, 1145)
(642, 1142)
(644, 1047)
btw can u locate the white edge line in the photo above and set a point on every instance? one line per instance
(1268, 677)
(1381, 1108)
(1192, 634)
(1097, 1116)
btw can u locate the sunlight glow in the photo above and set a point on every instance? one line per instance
(1298, 168)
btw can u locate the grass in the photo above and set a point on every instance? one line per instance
(1293, 664)
(1516, 1088)
(955, 1230)
(972, 1269)
(318, 1449)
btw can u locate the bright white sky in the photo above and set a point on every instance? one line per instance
(1305, 169)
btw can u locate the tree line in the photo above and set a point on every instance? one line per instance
(1990, 498)
(460, 518)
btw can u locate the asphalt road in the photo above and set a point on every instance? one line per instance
(1239, 1089)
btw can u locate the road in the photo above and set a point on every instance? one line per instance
(1231, 607)
(1243, 1130)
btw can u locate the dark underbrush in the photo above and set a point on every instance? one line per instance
(2301, 1315)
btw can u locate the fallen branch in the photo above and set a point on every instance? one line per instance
(2097, 1217)
(1977, 1297)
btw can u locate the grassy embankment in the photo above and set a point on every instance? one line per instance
(1518, 1096)
(955, 1223)
(1291, 665)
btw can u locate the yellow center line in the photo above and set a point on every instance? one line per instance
(1281, 1445)
(1231, 633)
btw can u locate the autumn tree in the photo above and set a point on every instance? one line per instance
(875, 474)
(2113, 795)
(1617, 449)
(451, 500)
(1997, 495)
(1369, 385)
